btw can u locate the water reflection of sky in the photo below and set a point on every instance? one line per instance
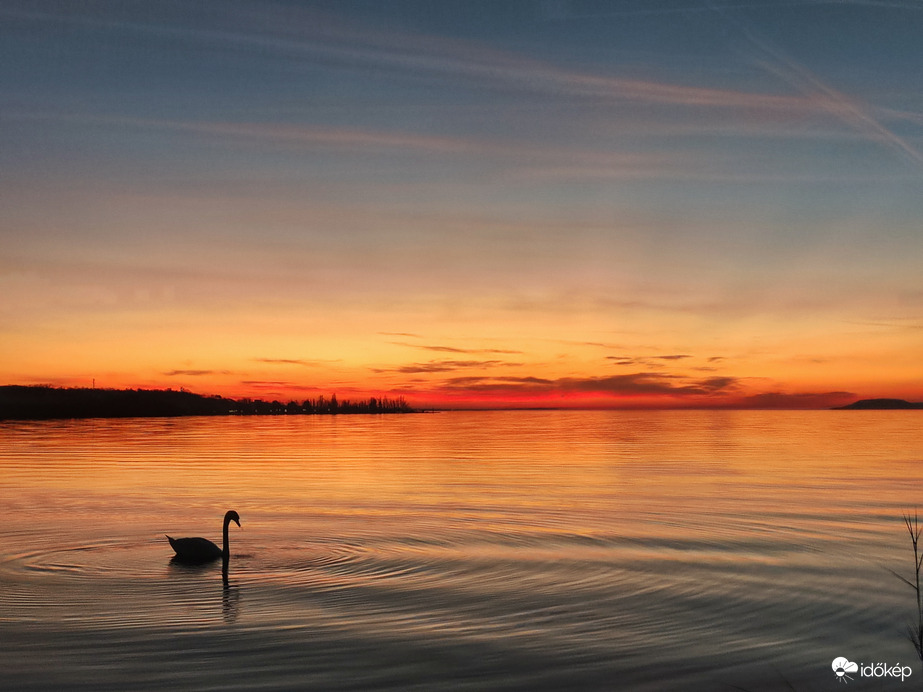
(668, 551)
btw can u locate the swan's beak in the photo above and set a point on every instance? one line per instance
(237, 521)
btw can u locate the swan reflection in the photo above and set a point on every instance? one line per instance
(230, 597)
(196, 592)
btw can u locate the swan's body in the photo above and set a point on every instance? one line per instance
(198, 550)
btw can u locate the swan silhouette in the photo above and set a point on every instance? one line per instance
(201, 550)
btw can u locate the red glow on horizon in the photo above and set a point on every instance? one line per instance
(497, 398)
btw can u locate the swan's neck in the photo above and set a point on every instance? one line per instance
(225, 548)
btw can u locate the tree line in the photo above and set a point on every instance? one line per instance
(44, 402)
(323, 406)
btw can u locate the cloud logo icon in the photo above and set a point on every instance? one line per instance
(841, 666)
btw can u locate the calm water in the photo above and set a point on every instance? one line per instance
(511, 550)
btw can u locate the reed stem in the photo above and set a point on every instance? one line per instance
(915, 530)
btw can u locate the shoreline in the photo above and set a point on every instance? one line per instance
(42, 402)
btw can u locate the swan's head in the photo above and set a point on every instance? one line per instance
(232, 516)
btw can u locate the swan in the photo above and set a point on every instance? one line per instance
(199, 550)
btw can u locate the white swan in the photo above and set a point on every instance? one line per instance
(199, 550)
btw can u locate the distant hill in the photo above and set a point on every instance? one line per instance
(880, 405)
(40, 402)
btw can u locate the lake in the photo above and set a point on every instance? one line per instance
(517, 550)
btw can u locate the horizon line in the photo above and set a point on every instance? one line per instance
(428, 408)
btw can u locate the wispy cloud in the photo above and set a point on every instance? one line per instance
(519, 160)
(481, 383)
(647, 361)
(312, 36)
(270, 384)
(292, 361)
(306, 35)
(281, 388)
(561, 10)
(639, 383)
(649, 387)
(844, 108)
(445, 366)
(195, 373)
(455, 349)
(648, 383)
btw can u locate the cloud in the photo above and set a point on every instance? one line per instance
(453, 349)
(305, 35)
(316, 136)
(531, 160)
(446, 349)
(445, 366)
(308, 36)
(480, 383)
(278, 387)
(850, 111)
(292, 361)
(600, 344)
(195, 373)
(540, 161)
(267, 383)
(647, 361)
(646, 383)
(721, 383)
(639, 383)
(721, 392)
(897, 324)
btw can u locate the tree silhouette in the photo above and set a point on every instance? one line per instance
(42, 402)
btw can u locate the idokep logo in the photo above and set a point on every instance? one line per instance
(842, 667)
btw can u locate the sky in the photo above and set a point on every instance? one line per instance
(519, 203)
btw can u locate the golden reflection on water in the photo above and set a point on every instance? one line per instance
(663, 549)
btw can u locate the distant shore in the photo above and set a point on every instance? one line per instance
(42, 402)
(880, 405)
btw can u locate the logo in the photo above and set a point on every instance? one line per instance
(842, 667)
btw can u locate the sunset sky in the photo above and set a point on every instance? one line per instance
(501, 203)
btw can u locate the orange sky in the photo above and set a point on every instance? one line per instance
(643, 210)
